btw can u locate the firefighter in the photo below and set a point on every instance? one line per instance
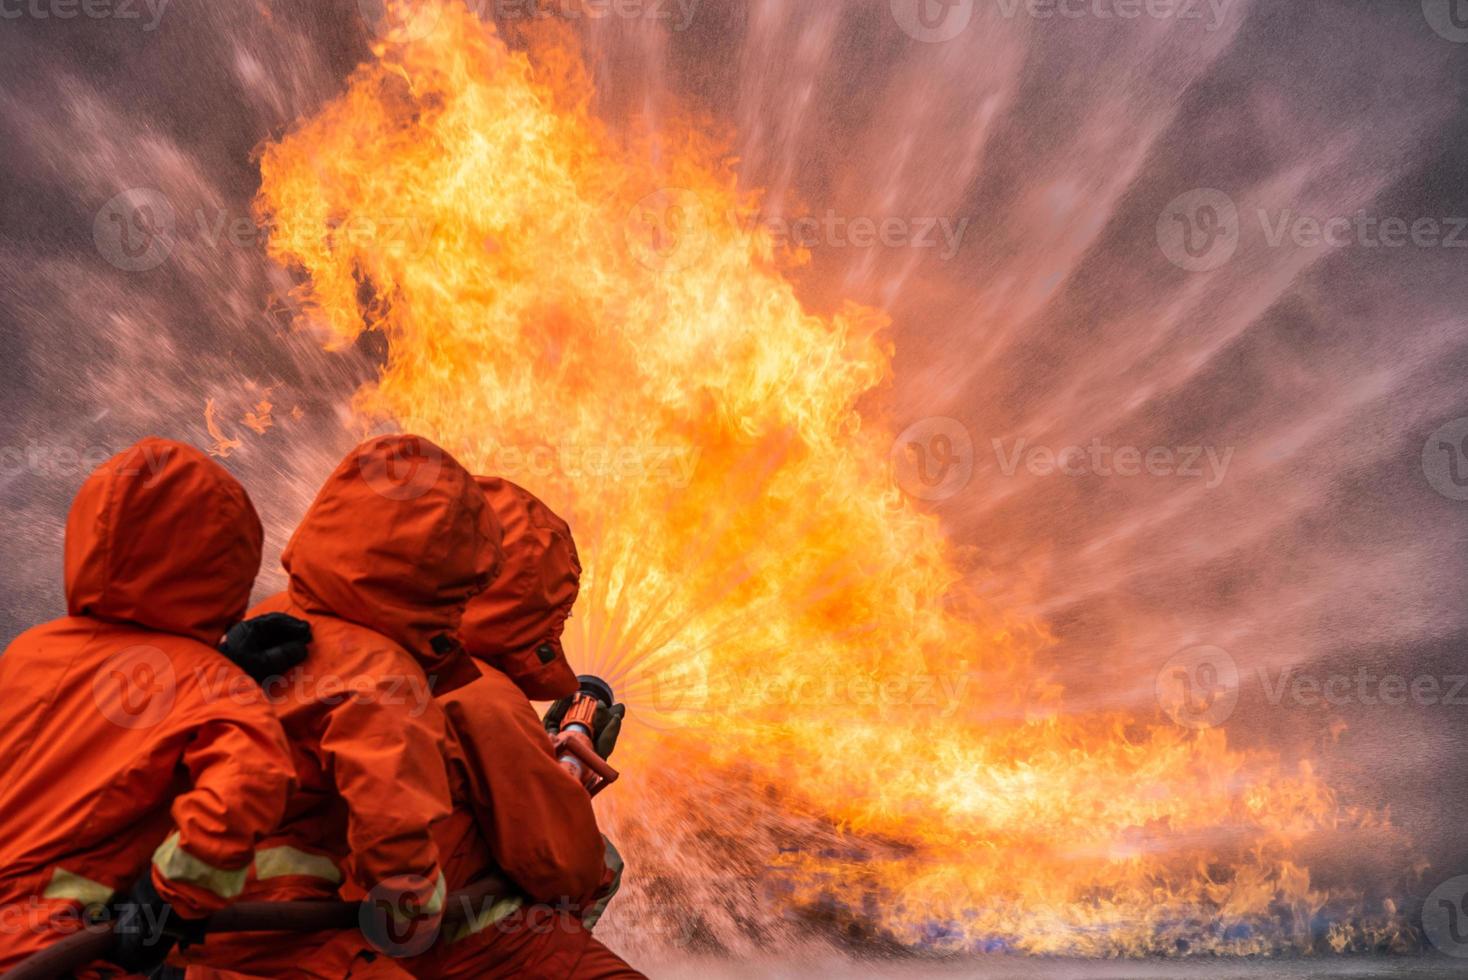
(516, 810)
(138, 767)
(382, 565)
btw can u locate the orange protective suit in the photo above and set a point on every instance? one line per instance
(516, 810)
(123, 732)
(396, 543)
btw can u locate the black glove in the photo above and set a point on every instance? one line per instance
(147, 928)
(267, 646)
(608, 724)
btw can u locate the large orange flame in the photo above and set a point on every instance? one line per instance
(837, 733)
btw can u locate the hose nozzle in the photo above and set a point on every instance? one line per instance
(575, 744)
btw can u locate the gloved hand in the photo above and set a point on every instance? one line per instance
(608, 724)
(267, 646)
(147, 928)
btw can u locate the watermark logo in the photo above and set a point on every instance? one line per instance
(134, 10)
(1198, 687)
(1445, 917)
(400, 917)
(933, 459)
(400, 20)
(1445, 460)
(136, 230)
(400, 468)
(668, 229)
(1199, 231)
(1449, 18)
(136, 687)
(933, 21)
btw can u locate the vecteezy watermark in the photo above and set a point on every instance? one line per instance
(672, 228)
(140, 229)
(1199, 687)
(1449, 18)
(1445, 459)
(833, 230)
(147, 13)
(411, 693)
(937, 21)
(672, 466)
(933, 459)
(1200, 231)
(678, 691)
(1209, 14)
(1207, 463)
(679, 14)
(136, 687)
(1445, 917)
(51, 460)
(1364, 687)
(1361, 230)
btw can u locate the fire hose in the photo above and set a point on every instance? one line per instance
(95, 941)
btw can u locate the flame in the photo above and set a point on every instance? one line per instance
(839, 738)
(223, 445)
(259, 419)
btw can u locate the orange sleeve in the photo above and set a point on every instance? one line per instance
(240, 776)
(536, 817)
(386, 757)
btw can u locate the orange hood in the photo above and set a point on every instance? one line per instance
(398, 540)
(515, 626)
(162, 537)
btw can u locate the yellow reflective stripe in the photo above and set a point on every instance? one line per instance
(484, 918)
(278, 862)
(434, 905)
(70, 886)
(178, 865)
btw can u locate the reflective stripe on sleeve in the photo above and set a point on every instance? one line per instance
(434, 905)
(179, 866)
(69, 886)
(484, 918)
(280, 862)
